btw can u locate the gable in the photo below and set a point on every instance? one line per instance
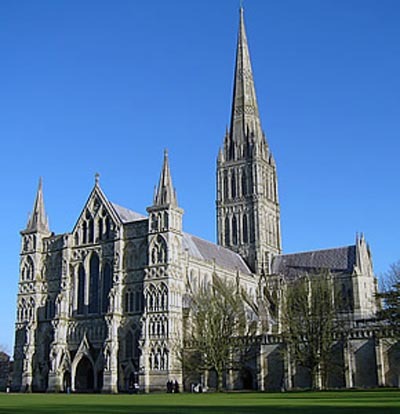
(98, 220)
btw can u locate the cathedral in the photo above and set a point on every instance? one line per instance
(103, 306)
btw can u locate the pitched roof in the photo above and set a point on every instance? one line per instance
(337, 260)
(198, 248)
(205, 250)
(126, 215)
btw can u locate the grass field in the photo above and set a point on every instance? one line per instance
(343, 402)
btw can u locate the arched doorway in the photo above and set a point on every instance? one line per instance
(84, 376)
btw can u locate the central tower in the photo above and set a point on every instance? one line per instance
(248, 213)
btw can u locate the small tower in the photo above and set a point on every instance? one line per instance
(248, 213)
(31, 293)
(163, 281)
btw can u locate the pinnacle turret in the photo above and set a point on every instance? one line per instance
(165, 194)
(38, 219)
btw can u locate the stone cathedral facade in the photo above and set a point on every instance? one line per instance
(103, 306)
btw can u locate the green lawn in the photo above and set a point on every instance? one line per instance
(343, 402)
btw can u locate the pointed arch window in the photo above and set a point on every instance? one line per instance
(234, 231)
(100, 228)
(84, 232)
(91, 231)
(81, 289)
(245, 229)
(108, 228)
(244, 184)
(129, 301)
(227, 231)
(233, 185)
(28, 270)
(252, 229)
(94, 284)
(226, 185)
(107, 281)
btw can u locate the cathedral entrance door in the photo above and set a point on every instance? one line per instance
(84, 376)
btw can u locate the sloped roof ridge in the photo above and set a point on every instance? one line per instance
(241, 265)
(316, 250)
(126, 214)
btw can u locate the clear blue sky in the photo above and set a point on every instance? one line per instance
(89, 86)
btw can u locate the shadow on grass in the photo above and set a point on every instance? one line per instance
(209, 409)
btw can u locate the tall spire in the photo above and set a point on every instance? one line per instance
(165, 194)
(38, 219)
(248, 213)
(245, 118)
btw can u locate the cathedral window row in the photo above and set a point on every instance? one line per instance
(158, 358)
(159, 221)
(26, 310)
(93, 230)
(156, 298)
(158, 326)
(29, 243)
(93, 286)
(238, 229)
(133, 301)
(235, 184)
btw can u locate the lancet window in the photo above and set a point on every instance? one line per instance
(129, 302)
(94, 284)
(107, 282)
(227, 231)
(233, 185)
(28, 269)
(226, 185)
(81, 289)
(234, 231)
(245, 229)
(244, 184)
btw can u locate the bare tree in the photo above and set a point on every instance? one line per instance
(310, 324)
(390, 298)
(219, 329)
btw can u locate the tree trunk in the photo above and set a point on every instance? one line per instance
(220, 378)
